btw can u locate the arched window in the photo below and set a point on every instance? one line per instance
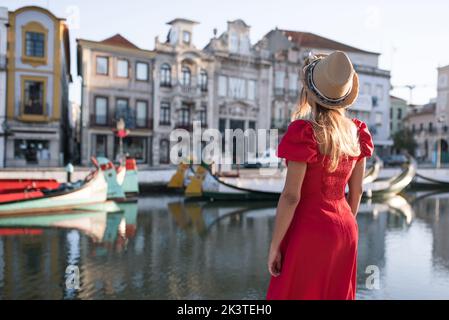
(185, 76)
(165, 75)
(164, 151)
(203, 80)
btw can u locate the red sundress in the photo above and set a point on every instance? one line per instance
(319, 250)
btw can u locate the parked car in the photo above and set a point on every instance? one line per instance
(395, 160)
(268, 159)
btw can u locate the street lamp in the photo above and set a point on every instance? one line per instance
(440, 121)
(121, 132)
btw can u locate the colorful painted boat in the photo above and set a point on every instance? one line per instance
(130, 184)
(17, 185)
(115, 190)
(92, 190)
(206, 185)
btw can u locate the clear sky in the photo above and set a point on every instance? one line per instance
(413, 35)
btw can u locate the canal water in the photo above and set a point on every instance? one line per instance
(164, 248)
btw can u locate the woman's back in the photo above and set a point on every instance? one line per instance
(299, 144)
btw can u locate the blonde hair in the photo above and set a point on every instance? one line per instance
(334, 132)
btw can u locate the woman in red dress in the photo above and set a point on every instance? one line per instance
(313, 253)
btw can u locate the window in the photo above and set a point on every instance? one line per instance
(142, 71)
(184, 116)
(222, 86)
(413, 128)
(252, 125)
(293, 82)
(279, 78)
(185, 76)
(251, 90)
(366, 89)
(164, 151)
(203, 115)
(122, 111)
(101, 110)
(102, 65)
(100, 145)
(234, 42)
(203, 80)
(244, 44)
(141, 113)
(430, 127)
(135, 147)
(165, 114)
(186, 36)
(33, 97)
(165, 75)
(380, 92)
(122, 68)
(399, 114)
(421, 127)
(32, 151)
(35, 44)
(237, 88)
(378, 118)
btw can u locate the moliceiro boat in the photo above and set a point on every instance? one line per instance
(92, 190)
(205, 185)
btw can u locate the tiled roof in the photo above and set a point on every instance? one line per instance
(120, 41)
(311, 40)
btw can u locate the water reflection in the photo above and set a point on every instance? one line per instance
(165, 248)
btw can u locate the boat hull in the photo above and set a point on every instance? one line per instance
(93, 191)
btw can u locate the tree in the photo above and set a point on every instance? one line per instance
(404, 140)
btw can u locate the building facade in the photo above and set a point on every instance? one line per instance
(183, 86)
(225, 85)
(427, 131)
(242, 92)
(3, 48)
(287, 50)
(38, 76)
(398, 112)
(116, 84)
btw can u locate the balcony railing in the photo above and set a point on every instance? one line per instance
(144, 123)
(101, 121)
(185, 126)
(279, 92)
(2, 62)
(280, 123)
(21, 111)
(164, 123)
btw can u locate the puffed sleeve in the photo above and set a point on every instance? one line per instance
(365, 139)
(298, 143)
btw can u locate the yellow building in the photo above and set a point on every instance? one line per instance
(38, 76)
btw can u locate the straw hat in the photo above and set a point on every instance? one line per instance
(330, 80)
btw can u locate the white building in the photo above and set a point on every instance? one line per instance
(3, 46)
(288, 49)
(443, 95)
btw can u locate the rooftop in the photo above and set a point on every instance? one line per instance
(311, 40)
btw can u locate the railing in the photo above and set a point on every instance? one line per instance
(20, 111)
(185, 126)
(165, 123)
(280, 123)
(279, 92)
(144, 123)
(101, 121)
(3, 62)
(293, 93)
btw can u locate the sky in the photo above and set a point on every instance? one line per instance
(412, 36)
